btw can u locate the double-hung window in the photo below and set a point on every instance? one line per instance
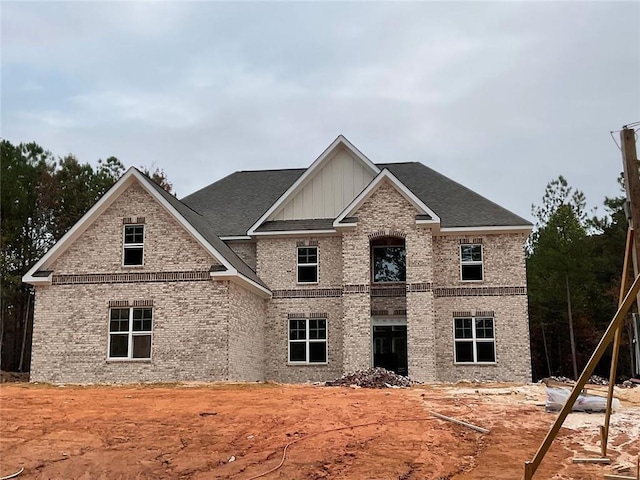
(308, 340)
(471, 262)
(130, 332)
(307, 265)
(133, 253)
(474, 340)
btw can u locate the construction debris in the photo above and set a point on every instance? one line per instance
(598, 380)
(593, 380)
(622, 468)
(371, 378)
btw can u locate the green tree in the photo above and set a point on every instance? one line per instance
(557, 265)
(26, 220)
(159, 177)
(574, 266)
(41, 199)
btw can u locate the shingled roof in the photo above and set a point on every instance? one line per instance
(232, 205)
(205, 229)
(455, 204)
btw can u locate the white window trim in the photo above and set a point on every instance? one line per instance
(125, 246)
(316, 264)
(130, 334)
(307, 341)
(475, 341)
(472, 262)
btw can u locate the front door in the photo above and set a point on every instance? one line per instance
(390, 348)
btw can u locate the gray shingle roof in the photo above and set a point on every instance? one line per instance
(205, 229)
(291, 225)
(455, 204)
(232, 205)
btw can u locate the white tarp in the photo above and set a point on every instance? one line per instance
(557, 397)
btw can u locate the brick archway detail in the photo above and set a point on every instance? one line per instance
(387, 233)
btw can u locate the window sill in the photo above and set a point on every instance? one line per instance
(471, 281)
(307, 364)
(302, 284)
(128, 360)
(132, 266)
(475, 364)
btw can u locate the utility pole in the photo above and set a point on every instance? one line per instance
(632, 207)
(632, 187)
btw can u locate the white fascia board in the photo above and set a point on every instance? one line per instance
(346, 225)
(243, 281)
(232, 238)
(279, 233)
(401, 187)
(489, 229)
(81, 225)
(31, 280)
(340, 140)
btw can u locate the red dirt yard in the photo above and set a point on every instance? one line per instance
(238, 431)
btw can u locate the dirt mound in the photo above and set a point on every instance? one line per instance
(372, 378)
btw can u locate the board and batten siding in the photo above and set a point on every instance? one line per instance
(329, 190)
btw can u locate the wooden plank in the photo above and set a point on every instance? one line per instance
(624, 285)
(618, 477)
(622, 468)
(592, 460)
(459, 422)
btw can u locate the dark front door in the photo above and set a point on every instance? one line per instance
(390, 348)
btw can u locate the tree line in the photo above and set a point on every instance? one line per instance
(42, 197)
(574, 273)
(574, 261)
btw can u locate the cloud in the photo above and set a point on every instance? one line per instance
(500, 96)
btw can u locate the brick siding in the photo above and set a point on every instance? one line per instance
(246, 250)
(167, 246)
(190, 331)
(217, 330)
(246, 347)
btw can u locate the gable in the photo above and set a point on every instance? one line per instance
(329, 190)
(198, 230)
(167, 245)
(386, 181)
(386, 206)
(309, 197)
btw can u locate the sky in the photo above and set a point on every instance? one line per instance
(500, 96)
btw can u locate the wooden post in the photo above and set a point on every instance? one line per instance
(624, 284)
(632, 187)
(531, 466)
